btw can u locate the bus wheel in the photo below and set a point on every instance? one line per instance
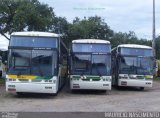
(72, 91)
(19, 93)
(103, 91)
(55, 94)
(59, 84)
(0, 73)
(141, 88)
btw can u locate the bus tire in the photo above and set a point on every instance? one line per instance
(0, 73)
(19, 93)
(72, 91)
(141, 88)
(59, 84)
(104, 91)
(55, 94)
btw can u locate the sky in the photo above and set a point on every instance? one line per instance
(120, 15)
(3, 43)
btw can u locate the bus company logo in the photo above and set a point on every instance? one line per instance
(9, 115)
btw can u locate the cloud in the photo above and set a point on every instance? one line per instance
(3, 43)
(120, 15)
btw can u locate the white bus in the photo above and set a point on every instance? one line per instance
(36, 63)
(132, 65)
(90, 64)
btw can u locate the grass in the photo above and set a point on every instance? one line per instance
(2, 81)
(157, 79)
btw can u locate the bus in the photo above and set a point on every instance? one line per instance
(37, 63)
(132, 65)
(90, 64)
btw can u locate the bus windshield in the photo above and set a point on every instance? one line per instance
(91, 64)
(19, 62)
(35, 62)
(101, 64)
(42, 62)
(136, 65)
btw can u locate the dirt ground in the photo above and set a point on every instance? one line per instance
(118, 100)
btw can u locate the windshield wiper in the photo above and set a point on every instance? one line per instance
(40, 70)
(83, 71)
(141, 67)
(19, 73)
(37, 64)
(97, 69)
(133, 69)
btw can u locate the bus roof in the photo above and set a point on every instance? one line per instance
(90, 41)
(33, 33)
(134, 46)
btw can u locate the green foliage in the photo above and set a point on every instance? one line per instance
(2, 81)
(20, 15)
(93, 27)
(157, 79)
(128, 38)
(158, 47)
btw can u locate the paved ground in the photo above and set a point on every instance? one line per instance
(124, 99)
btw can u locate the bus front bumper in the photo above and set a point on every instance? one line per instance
(31, 87)
(90, 85)
(135, 83)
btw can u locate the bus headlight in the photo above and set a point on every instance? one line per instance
(132, 76)
(10, 79)
(109, 79)
(106, 78)
(83, 77)
(50, 81)
(123, 77)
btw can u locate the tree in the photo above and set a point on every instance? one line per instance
(60, 26)
(92, 27)
(20, 15)
(127, 38)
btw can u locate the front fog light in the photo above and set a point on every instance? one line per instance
(83, 77)
(50, 80)
(46, 80)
